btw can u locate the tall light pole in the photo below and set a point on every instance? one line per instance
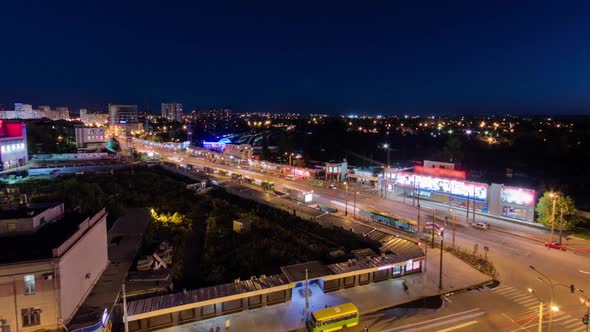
(354, 212)
(554, 196)
(540, 327)
(346, 199)
(453, 212)
(546, 280)
(440, 275)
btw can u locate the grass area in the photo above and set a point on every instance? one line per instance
(479, 262)
(582, 235)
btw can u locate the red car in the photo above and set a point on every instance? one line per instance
(555, 246)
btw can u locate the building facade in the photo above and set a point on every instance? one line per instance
(172, 111)
(90, 138)
(13, 144)
(124, 118)
(42, 287)
(95, 118)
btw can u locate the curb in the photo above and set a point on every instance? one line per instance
(461, 290)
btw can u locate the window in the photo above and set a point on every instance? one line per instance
(11, 228)
(29, 284)
(31, 317)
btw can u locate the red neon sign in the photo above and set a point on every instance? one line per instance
(441, 172)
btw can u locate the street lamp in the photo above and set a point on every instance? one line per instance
(354, 212)
(346, 199)
(546, 280)
(540, 328)
(451, 210)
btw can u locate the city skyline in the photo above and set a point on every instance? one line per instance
(334, 58)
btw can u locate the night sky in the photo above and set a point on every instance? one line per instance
(340, 57)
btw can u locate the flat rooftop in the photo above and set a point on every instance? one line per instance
(26, 211)
(296, 273)
(40, 245)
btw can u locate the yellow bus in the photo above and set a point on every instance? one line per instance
(333, 318)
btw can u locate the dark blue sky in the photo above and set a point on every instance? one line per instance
(319, 56)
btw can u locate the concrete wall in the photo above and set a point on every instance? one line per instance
(29, 225)
(13, 298)
(81, 266)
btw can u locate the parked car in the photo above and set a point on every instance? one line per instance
(555, 246)
(482, 225)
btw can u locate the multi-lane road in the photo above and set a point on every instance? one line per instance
(512, 247)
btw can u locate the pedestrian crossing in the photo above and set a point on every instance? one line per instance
(531, 305)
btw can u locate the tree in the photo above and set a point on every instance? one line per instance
(453, 150)
(563, 204)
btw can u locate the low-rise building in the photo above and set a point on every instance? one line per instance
(13, 144)
(90, 138)
(46, 275)
(238, 151)
(28, 219)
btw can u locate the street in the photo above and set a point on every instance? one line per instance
(512, 247)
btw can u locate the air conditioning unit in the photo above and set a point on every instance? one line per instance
(48, 276)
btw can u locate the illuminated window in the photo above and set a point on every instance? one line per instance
(29, 284)
(3, 148)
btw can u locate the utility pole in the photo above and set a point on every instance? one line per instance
(433, 222)
(306, 296)
(553, 215)
(440, 276)
(467, 210)
(453, 229)
(418, 226)
(125, 309)
(354, 208)
(473, 212)
(346, 199)
(540, 317)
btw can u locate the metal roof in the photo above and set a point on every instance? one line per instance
(204, 294)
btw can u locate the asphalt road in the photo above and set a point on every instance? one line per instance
(512, 247)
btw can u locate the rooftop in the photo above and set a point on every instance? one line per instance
(25, 211)
(39, 245)
(296, 273)
(204, 294)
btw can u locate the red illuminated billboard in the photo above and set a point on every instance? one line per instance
(10, 129)
(441, 172)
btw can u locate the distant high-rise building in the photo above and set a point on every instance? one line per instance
(124, 118)
(97, 118)
(172, 111)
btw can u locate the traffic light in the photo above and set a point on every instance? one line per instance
(572, 288)
(585, 319)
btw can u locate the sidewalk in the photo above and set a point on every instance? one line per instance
(369, 298)
(124, 239)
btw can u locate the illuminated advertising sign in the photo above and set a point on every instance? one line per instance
(441, 172)
(479, 191)
(518, 196)
(308, 198)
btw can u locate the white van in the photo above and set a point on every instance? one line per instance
(481, 225)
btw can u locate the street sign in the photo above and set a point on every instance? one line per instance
(485, 248)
